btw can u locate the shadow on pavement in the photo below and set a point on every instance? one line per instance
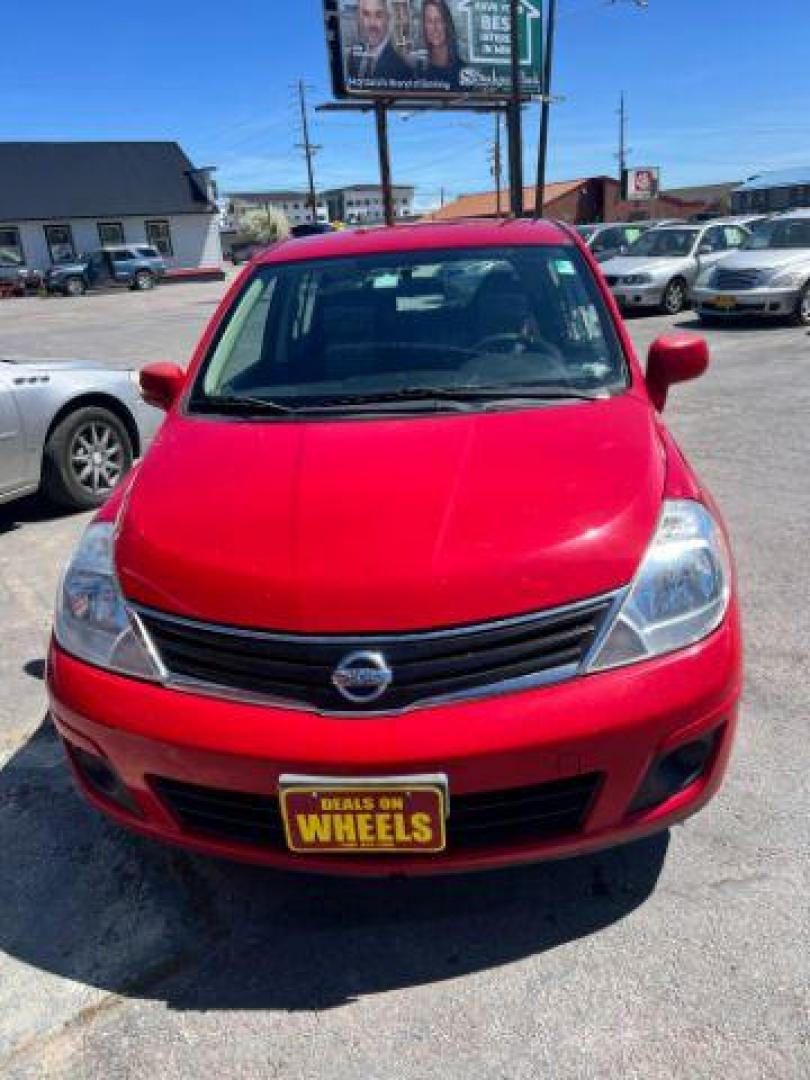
(87, 901)
(28, 511)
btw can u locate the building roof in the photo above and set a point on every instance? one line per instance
(58, 180)
(485, 203)
(419, 237)
(701, 192)
(798, 177)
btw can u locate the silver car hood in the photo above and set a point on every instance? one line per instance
(767, 259)
(642, 264)
(55, 365)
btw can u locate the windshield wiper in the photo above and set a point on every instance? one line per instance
(460, 395)
(242, 404)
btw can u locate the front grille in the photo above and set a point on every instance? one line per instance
(425, 666)
(727, 278)
(489, 819)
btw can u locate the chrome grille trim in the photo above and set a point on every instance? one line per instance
(551, 676)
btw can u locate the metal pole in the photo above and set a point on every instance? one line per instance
(542, 150)
(622, 139)
(308, 151)
(381, 116)
(513, 117)
(497, 162)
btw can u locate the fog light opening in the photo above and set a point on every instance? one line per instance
(101, 778)
(675, 771)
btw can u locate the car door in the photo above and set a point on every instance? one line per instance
(98, 270)
(124, 264)
(11, 433)
(712, 247)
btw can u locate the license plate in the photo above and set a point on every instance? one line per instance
(366, 817)
(726, 302)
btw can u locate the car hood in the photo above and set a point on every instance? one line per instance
(641, 264)
(391, 524)
(55, 365)
(767, 259)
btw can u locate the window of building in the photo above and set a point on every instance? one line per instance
(159, 236)
(60, 243)
(11, 251)
(110, 232)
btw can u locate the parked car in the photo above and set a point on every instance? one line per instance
(17, 278)
(311, 228)
(405, 587)
(659, 270)
(769, 276)
(136, 266)
(608, 241)
(71, 428)
(244, 250)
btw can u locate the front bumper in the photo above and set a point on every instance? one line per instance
(613, 724)
(638, 296)
(726, 303)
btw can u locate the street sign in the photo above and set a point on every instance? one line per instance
(431, 49)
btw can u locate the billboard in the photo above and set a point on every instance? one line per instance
(431, 49)
(641, 184)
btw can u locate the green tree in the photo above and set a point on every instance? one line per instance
(265, 225)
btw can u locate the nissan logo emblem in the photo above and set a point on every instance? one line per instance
(362, 677)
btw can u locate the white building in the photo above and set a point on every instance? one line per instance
(362, 204)
(60, 199)
(293, 204)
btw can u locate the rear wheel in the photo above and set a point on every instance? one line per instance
(675, 296)
(143, 280)
(86, 456)
(803, 307)
(75, 286)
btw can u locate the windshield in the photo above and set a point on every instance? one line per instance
(660, 243)
(426, 324)
(784, 233)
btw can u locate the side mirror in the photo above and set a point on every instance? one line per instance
(674, 358)
(162, 384)
(705, 249)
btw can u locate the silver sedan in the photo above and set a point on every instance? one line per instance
(661, 268)
(70, 428)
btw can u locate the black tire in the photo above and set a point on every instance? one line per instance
(143, 281)
(86, 456)
(802, 315)
(74, 286)
(676, 297)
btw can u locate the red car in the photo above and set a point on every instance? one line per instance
(413, 579)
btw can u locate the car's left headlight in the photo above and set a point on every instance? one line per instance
(705, 277)
(680, 594)
(92, 620)
(789, 279)
(637, 279)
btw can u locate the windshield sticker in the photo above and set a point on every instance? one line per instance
(565, 268)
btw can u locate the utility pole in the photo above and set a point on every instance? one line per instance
(309, 150)
(381, 118)
(513, 115)
(622, 138)
(545, 114)
(496, 167)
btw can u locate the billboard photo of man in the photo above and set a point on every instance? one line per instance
(373, 56)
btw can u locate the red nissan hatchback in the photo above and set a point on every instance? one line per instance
(413, 579)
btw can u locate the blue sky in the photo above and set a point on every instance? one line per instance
(716, 90)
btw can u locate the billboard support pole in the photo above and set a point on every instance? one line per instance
(513, 115)
(381, 117)
(545, 115)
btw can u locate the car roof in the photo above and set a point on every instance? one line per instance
(470, 233)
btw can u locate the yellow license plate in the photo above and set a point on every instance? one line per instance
(328, 818)
(725, 302)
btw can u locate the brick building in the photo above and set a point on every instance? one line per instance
(588, 199)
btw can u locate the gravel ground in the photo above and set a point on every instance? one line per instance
(683, 956)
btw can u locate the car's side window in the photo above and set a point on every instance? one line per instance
(714, 239)
(734, 236)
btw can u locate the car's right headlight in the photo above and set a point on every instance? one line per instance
(93, 622)
(680, 594)
(788, 279)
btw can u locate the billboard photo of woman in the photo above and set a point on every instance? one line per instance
(441, 63)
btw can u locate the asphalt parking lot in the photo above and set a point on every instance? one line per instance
(687, 955)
